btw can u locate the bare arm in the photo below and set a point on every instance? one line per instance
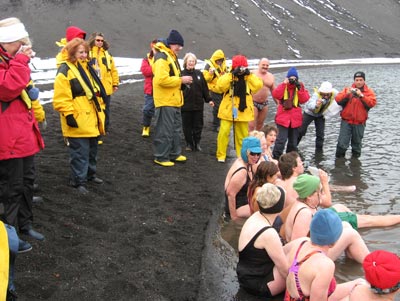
(235, 184)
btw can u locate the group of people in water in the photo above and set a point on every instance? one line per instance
(293, 232)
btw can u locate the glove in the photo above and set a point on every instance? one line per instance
(44, 124)
(236, 71)
(298, 85)
(33, 93)
(71, 121)
(247, 71)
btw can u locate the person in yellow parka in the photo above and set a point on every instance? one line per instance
(168, 83)
(78, 97)
(104, 64)
(214, 68)
(237, 107)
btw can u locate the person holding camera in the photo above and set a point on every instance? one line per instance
(289, 94)
(356, 101)
(314, 110)
(237, 108)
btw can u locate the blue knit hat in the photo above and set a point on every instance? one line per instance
(325, 228)
(292, 72)
(175, 38)
(252, 144)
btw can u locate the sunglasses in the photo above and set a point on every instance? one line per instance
(254, 154)
(325, 94)
(99, 40)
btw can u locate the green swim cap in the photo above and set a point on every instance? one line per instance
(305, 185)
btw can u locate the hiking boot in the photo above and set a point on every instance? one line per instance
(32, 233)
(189, 147)
(221, 160)
(37, 199)
(82, 189)
(96, 180)
(164, 163)
(100, 142)
(24, 246)
(198, 148)
(146, 131)
(180, 159)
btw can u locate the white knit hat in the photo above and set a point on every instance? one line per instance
(12, 33)
(326, 87)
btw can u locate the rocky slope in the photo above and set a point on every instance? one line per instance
(323, 29)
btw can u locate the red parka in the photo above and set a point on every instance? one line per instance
(355, 109)
(19, 132)
(293, 117)
(146, 69)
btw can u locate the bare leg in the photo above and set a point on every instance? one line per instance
(243, 211)
(351, 242)
(252, 124)
(367, 221)
(260, 118)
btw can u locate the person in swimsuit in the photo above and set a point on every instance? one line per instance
(238, 178)
(267, 172)
(263, 266)
(299, 219)
(311, 274)
(382, 271)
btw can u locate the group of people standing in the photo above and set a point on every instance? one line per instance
(86, 78)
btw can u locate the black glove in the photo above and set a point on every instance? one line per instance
(71, 121)
(236, 71)
(246, 71)
(298, 85)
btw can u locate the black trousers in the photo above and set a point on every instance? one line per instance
(192, 124)
(16, 191)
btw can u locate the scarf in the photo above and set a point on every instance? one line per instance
(239, 89)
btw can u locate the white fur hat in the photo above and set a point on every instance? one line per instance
(12, 33)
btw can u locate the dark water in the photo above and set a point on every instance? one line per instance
(376, 173)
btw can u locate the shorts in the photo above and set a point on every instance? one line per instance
(349, 217)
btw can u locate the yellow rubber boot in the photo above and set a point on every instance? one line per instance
(146, 131)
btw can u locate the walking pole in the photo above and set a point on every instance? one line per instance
(234, 112)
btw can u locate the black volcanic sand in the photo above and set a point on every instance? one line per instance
(139, 236)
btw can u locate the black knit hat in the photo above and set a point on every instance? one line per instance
(175, 38)
(359, 74)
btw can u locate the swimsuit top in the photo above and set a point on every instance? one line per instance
(295, 269)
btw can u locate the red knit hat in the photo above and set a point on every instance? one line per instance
(382, 269)
(239, 61)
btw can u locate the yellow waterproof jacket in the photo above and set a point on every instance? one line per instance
(4, 261)
(167, 78)
(102, 60)
(210, 78)
(253, 85)
(70, 98)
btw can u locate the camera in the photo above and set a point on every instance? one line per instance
(242, 69)
(292, 81)
(354, 91)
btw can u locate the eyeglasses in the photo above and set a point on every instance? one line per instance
(254, 154)
(99, 40)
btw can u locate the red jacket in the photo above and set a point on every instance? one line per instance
(19, 132)
(355, 109)
(293, 117)
(147, 72)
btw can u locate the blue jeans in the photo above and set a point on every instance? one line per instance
(319, 123)
(148, 109)
(83, 159)
(285, 134)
